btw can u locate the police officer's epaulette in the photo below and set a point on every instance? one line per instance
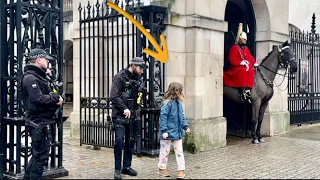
(21, 89)
(123, 76)
(33, 73)
(29, 73)
(23, 76)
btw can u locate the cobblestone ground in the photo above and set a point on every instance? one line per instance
(285, 156)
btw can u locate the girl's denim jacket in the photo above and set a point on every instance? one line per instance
(172, 120)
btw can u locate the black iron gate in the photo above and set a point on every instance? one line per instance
(304, 89)
(26, 24)
(107, 42)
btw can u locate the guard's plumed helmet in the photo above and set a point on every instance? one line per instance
(240, 33)
(243, 35)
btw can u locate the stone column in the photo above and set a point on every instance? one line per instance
(195, 37)
(272, 29)
(75, 35)
(75, 114)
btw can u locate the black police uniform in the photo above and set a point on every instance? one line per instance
(39, 103)
(121, 90)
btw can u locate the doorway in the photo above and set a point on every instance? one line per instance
(238, 11)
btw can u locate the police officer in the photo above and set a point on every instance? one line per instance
(122, 89)
(40, 104)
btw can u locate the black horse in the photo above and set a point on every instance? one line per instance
(262, 92)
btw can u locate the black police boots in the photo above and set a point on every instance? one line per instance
(117, 174)
(129, 171)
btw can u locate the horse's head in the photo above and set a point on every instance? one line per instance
(287, 57)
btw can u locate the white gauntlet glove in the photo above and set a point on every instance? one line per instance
(245, 63)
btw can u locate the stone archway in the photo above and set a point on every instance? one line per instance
(238, 11)
(68, 70)
(273, 30)
(263, 30)
(262, 26)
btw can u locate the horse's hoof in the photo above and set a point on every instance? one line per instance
(255, 141)
(262, 140)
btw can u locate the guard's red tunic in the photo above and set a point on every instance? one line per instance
(236, 75)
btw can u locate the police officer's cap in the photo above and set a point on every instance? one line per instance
(138, 61)
(38, 53)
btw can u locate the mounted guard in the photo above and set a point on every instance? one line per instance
(260, 83)
(241, 72)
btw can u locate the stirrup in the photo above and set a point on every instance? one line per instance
(245, 98)
(242, 97)
(247, 93)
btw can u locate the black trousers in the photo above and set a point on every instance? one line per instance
(122, 139)
(40, 142)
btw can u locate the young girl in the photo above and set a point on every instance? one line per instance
(172, 123)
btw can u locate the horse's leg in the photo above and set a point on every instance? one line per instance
(263, 108)
(255, 112)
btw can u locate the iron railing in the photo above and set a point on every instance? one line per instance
(304, 89)
(105, 50)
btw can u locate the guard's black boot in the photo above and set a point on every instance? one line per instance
(242, 95)
(245, 95)
(117, 174)
(129, 171)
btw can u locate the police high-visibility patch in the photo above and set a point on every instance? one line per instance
(34, 85)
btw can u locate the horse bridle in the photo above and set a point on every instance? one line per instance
(282, 64)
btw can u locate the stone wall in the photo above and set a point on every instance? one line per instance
(203, 30)
(195, 37)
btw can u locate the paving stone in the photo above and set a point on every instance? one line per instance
(280, 157)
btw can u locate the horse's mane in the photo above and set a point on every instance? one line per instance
(267, 55)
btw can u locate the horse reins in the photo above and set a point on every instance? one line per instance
(270, 83)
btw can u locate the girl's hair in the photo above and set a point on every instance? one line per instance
(174, 92)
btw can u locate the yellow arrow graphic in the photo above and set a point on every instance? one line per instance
(161, 54)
